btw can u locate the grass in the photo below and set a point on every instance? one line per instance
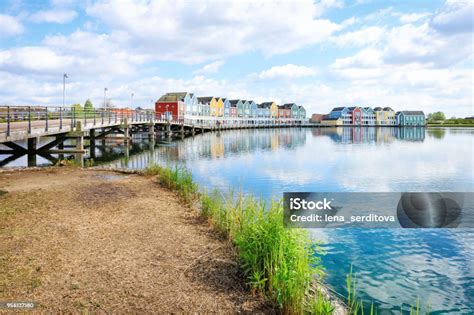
(278, 263)
(176, 178)
(450, 125)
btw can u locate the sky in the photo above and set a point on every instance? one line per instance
(320, 54)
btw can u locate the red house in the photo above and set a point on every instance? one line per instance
(171, 106)
(233, 110)
(356, 114)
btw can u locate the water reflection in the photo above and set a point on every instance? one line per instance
(371, 134)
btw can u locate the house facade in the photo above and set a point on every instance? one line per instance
(252, 109)
(410, 118)
(173, 105)
(226, 107)
(272, 109)
(368, 116)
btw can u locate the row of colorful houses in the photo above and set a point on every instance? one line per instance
(367, 116)
(183, 104)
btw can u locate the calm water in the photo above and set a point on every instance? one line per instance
(394, 267)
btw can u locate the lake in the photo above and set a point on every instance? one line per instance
(394, 267)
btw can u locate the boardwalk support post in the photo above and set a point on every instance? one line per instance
(126, 130)
(79, 137)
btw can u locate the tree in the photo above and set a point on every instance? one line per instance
(437, 116)
(77, 110)
(88, 108)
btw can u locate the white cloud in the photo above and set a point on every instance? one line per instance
(413, 17)
(364, 36)
(212, 67)
(287, 71)
(10, 26)
(54, 16)
(194, 32)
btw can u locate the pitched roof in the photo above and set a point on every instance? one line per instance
(412, 112)
(378, 108)
(289, 105)
(388, 109)
(233, 103)
(337, 109)
(205, 100)
(266, 104)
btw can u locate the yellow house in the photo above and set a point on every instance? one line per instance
(219, 112)
(210, 101)
(274, 110)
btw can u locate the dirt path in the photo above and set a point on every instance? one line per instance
(75, 240)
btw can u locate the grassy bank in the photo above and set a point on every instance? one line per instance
(282, 264)
(451, 125)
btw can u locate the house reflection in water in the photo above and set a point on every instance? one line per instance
(371, 134)
(234, 142)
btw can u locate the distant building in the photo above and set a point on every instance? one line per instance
(332, 121)
(317, 118)
(410, 118)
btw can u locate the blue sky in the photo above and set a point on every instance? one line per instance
(320, 54)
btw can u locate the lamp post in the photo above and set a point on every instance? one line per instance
(64, 87)
(167, 112)
(131, 99)
(105, 98)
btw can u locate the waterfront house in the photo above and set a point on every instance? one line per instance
(272, 108)
(172, 105)
(332, 121)
(301, 112)
(281, 111)
(233, 108)
(389, 116)
(226, 107)
(239, 107)
(261, 111)
(218, 109)
(368, 116)
(245, 109)
(410, 118)
(355, 113)
(252, 109)
(379, 116)
(292, 110)
(385, 116)
(208, 105)
(343, 113)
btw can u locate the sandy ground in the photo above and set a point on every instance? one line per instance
(79, 240)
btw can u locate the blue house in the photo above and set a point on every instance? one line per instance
(410, 118)
(343, 113)
(252, 109)
(226, 107)
(239, 108)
